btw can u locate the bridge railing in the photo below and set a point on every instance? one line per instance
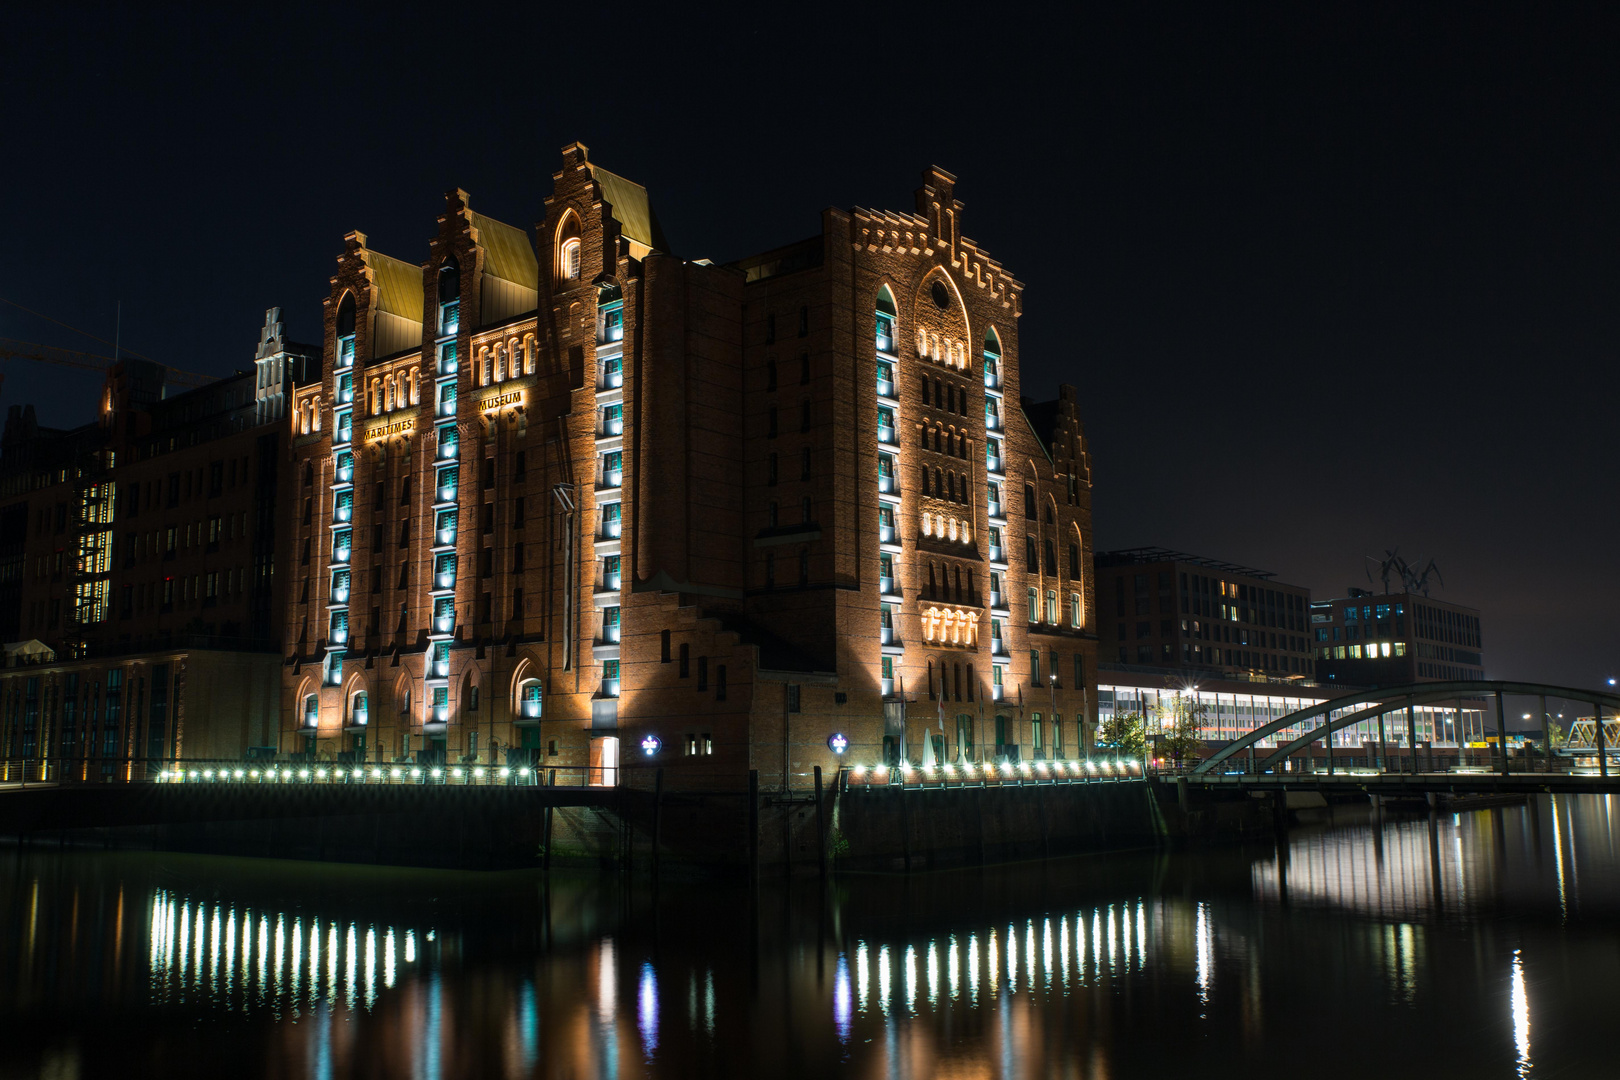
(1426, 761)
(23, 772)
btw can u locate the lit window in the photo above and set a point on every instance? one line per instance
(1051, 607)
(570, 258)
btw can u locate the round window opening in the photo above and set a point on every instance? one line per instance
(942, 298)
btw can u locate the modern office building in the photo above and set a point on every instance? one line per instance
(1169, 609)
(1231, 708)
(582, 498)
(1394, 639)
(138, 555)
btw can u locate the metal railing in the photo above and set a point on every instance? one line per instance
(1004, 773)
(296, 769)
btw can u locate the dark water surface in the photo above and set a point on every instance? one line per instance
(1485, 944)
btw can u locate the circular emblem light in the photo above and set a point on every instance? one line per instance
(837, 743)
(650, 744)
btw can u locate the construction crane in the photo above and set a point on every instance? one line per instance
(13, 349)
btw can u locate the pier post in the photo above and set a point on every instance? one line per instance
(905, 827)
(1546, 734)
(657, 821)
(821, 829)
(1411, 732)
(1602, 744)
(551, 782)
(753, 825)
(1383, 746)
(1501, 732)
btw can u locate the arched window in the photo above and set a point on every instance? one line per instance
(345, 333)
(449, 296)
(1029, 502)
(887, 320)
(569, 249)
(530, 699)
(312, 711)
(359, 710)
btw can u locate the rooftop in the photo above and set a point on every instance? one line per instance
(1142, 556)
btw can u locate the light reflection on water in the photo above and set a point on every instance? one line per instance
(181, 930)
(1458, 934)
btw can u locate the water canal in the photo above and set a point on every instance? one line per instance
(1485, 944)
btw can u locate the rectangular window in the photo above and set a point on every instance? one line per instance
(720, 682)
(1034, 666)
(1034, 606)
(792, 694)
(685, 660)
(703, 673)
(663, 646)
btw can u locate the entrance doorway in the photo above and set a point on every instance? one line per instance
(604, 767)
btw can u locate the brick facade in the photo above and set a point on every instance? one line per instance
(677, 473)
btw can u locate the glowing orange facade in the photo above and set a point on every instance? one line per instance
(555, 495)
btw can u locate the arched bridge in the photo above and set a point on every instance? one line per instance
(1397, 707)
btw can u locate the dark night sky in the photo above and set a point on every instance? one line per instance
(1330, 281)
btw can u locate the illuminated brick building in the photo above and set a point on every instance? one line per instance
(574, 493)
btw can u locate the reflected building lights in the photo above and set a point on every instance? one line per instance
(647, 1011)
(862, 980)
(933, 973)
(295, 963)
(196, 946)
(332, 962)
(1063, 949)
(1558, 859)
(371, 965)
(841, 1000)
(973, 968)
(911, 979)
(606, 991)
(953, 968)
(1029, 954)
(1521, 1016)
(883, 979)
(528, 1016)
(1206, 954)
